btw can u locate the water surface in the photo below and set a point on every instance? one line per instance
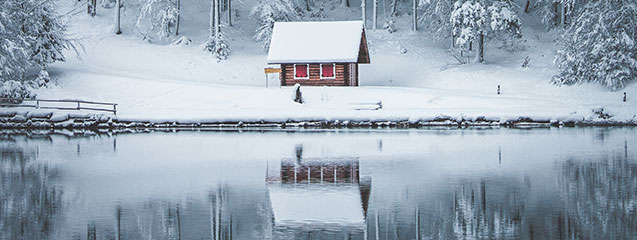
(416, 184)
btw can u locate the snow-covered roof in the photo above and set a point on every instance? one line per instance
(316, 205)
(317, 42)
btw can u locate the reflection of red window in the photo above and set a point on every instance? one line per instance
(327, 70)
(300, 71)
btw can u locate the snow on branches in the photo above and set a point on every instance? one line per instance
(468, 19)
(267, 12)
(436, 15)
(218, 46)
(216, 43)
(156, 17)
(599, 46)
(30, 36)
(473, 20)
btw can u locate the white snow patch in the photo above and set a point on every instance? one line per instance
(315, 42)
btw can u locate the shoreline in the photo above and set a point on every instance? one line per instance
(90, 121)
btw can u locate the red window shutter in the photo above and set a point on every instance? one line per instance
(327, 70)
(301, 71)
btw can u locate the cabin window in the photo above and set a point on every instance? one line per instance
(327, 70)
(301, 71)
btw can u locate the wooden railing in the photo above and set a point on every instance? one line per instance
(64, 104)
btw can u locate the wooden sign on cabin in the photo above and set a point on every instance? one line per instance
(319, 53)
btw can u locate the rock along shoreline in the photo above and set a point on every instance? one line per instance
(43, 121)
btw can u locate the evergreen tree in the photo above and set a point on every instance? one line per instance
(554, 13)
(217, 44)
(30, 36)
(599, 46)
(14, 43)
(156, 17)
(390, 24)
(474, 20)
(267, 12)
(47, 35)
(436, 15)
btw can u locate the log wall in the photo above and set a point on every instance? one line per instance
(342, 72)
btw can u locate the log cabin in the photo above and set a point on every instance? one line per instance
(319, 53)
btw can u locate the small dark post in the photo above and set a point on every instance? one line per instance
(498, 89)
(624, 96)
(78, 105)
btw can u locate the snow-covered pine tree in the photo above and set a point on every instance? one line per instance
(217, 44)
(549, 11)
(474, 20)
(599, 46)
(267, 12)
(390, 25)
(47, 34)
(156, 17)
(554, 13)
(469, 20)
(30, 36)
(436, 15)
(503, 19)
(14, 44)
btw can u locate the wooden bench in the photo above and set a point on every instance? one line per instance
(367, 105)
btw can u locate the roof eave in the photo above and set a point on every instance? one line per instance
(309, 62)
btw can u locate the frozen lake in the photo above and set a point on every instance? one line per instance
(426, 184)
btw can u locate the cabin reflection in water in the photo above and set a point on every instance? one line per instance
(318, 198)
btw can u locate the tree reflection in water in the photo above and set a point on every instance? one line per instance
(307, 195)
(599, 197)
(30, 203)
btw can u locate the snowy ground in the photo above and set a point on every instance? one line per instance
(158, 81)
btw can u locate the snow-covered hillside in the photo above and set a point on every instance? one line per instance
(412, 73)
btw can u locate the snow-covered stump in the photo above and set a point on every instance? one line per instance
(297, 95)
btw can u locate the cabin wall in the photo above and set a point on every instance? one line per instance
(353, 74)
(342, 71)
